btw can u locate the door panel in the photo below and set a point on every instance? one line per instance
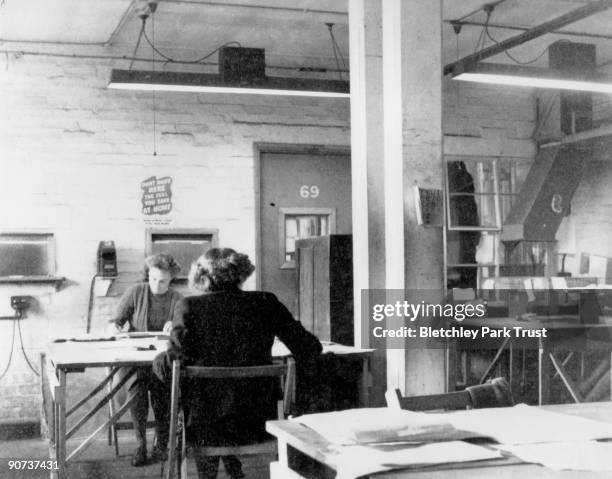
(301, 194)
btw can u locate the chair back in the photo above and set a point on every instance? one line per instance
(429, 402)
(496, 393)
(216, 372)
(271, 370)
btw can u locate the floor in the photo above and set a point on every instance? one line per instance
(99, 462)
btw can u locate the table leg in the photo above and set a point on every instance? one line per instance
(493, 363)
(283, 457)
(60, 439)
(289, 386)
(54, 438)
(453, 355)
(543, 375)
(280, 469)
(570, 385)
(510, 364)
(364, 383)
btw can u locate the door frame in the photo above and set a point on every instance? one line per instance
(261, 148)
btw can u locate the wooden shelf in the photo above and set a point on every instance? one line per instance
(54, 280)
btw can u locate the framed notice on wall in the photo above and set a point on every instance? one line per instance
(156, 200)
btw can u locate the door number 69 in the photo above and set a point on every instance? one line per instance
(309, 191)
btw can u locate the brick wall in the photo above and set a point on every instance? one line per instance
(73, 156)
(590, 228)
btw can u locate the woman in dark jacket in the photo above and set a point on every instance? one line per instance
(230, 327)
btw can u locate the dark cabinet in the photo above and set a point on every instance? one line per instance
(325, 276)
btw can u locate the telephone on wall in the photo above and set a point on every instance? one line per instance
(107, 259)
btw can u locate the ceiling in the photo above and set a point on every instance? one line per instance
(293, 32)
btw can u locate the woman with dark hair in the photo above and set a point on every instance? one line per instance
(229, 327)
(148, 306)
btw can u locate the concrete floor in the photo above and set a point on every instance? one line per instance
(100, 462)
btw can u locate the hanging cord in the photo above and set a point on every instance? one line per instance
(336, 49)
(18, 321)
(10, 358)
(142, 31)
(90, 303)
(481, 39)
(457, 86)
(489, 10)
(151, 42)
(154, 93)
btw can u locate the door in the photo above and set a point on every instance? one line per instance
(301, 195)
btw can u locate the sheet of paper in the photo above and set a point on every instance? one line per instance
(355, 461)
(578, 456)
(370, 425)
(524, 424)
(280, 350)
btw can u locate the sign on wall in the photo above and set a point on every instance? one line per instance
(156, 196)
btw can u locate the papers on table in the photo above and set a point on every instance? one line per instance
(578, 456)
(335, 348)
(355, 461)
(372, 425)
(85, 338)
(280, 350)
(143, 334)
(524, 424)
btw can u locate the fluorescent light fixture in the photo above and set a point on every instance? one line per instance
(533, 77)
(207, 83)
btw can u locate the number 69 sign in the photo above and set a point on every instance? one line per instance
(307, 191)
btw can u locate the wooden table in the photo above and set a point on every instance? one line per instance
(65, 357)
(315, 446)
(564, 333)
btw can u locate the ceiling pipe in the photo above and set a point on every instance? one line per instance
(542, 29)
(501, 26)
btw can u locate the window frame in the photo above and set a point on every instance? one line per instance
(188, 233)
(497, 163)
(51, 261)
(495, 194)
(283, 212)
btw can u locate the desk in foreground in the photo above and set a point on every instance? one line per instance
(316, 447)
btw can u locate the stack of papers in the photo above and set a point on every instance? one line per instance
(375, 425)
(84, 338)
(356, 461)
(524, 424)
(371, 440)
(576, 456)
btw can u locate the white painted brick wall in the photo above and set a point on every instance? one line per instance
(74, 154)
(73, 157)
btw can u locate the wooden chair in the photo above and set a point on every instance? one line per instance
(267, 447)
(495, 393)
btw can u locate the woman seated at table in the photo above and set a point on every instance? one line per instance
(148, 306)
(230, 327)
